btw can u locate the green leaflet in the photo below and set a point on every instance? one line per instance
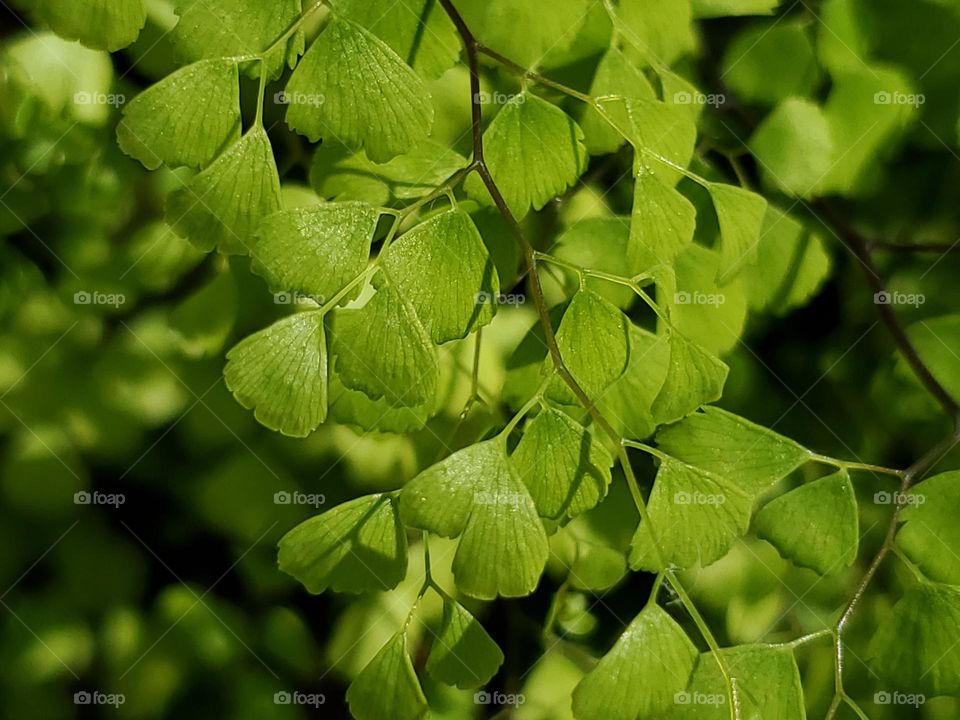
(662, 31)
(664, 135)
(662, 224)
(649, 664)
(694, 378)
(384, 351)
(222, 206)
(99, 24)
(707, 314)
(564, 467)
(534, 151)
(203, 321)
(628, 402)
(339, 174)
(446, 246)
(476, 494)
(724, 8)
(419, 31)
(843, 41)
(794, 147)
(696, 517)
(234, 28)
(768, 683)
(616, 75)
(770, 63)
(792, 264)
(353, 407)
(740, 214)
(730, 446)
(159, 257)
(816, 525)
(185, 119)
(521, 30)
(315, 250)
(599, 243)
(866, 124)
(388, 688)
(589, 565)
(463, 654)
(354, 547)
(593, 341)
(935, 339)
(281, 374)
(350, 86)
(930, 535)
(915, 648)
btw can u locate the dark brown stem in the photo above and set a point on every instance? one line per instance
(473, 48)
(860, 247)
(940, 248)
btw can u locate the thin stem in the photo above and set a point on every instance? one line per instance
(860, 247)
(848, 465)
(711, 641)
(534, 76)
(258, 121)
(444, 189)
(941, 248)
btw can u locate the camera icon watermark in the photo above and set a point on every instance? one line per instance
(886, 297)
(898, 498)
(96, 497)
(94, 297)
(499, 98)
(298, 98)
(482, 697)
(698, 98)
(83, 697)
(297, 298)
(282, 497)
(698, 498)
(98, 98)
(899, 98)
(284, 697)
(698, 298)
(898, 698)
(485, 298)
(698, 698)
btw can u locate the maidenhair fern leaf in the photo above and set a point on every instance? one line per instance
(281, 373)
(185, 119)
(223, 206)
(476, 494)
(593, 341)
(463, 653)
(362, 94)
(384, 351)
(357, 546)
(534, 151)
(446, 246)
(726, 444)
(740, 213)
(99, 24)
(388, 688)
(816, 525)
(650, 663)
(565, 468)
(695, 518)
(694, 378)
(662, 223)
(316, 250)
(237, 28)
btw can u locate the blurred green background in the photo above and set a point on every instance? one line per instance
(164, 587)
